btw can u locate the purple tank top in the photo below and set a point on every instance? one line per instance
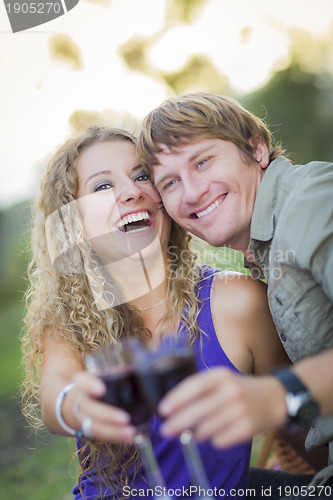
(227, 470)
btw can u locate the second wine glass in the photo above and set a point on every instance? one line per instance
(159, 371)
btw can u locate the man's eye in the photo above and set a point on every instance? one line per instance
(169, 184)
(201, 163)
(101, 186)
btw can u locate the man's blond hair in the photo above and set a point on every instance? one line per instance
(193, 117)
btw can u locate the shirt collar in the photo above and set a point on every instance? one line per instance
(262, 223)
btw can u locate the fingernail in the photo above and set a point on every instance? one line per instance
(121, 417)
(164, 408)
(165, 431)
(130, 436)
(99, 386)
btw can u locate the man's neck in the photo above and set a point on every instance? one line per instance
(248, 254)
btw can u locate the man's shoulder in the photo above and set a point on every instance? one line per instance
(312, 173)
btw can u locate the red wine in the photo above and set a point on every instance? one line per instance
(164, 374)
(123, 391)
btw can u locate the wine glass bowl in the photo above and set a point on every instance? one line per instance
(159, 371)
(114, 364)
(115, 367)
(163, 367)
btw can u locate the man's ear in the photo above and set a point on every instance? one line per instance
(262, 154)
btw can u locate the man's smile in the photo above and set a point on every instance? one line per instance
(209, 209)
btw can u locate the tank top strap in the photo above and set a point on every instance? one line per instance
(209, 352)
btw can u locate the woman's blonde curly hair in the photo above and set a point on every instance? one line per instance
(65, 277)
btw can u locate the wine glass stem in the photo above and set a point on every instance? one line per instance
(154, 474)
(194, 463)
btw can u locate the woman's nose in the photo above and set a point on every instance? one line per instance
(130, 191)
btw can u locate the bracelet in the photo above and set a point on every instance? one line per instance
(60, 399)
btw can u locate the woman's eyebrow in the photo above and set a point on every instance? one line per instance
(101, 172)
(137, 167)
(106, 172)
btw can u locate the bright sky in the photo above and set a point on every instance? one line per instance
(37, 94)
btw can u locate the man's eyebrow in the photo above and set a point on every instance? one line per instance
(192, 158)
(200, 152)
(162, 179)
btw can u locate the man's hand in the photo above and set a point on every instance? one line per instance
(224, 407)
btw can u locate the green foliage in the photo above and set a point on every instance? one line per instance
(226, 259)
(14, 224)
(63, 48)
(198, 73)
(298, 108)
(11, 318)
(183, 10)
(31, 467)
(38, 469)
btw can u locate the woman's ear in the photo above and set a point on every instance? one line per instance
(262, 154)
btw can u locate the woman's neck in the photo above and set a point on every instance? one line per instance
(139, 277)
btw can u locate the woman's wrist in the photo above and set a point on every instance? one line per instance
(58, 411)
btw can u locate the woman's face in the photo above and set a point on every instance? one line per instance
(120, 209)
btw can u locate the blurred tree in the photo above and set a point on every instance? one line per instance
(198, 73)
(14, 222)
(297, 103)
(134, 53)
(183, 10)
(103, 3)
(82, 119)
(63, 48)
(298, 107)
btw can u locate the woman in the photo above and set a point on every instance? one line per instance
(109, 263)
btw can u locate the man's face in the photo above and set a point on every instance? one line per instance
(209, 187)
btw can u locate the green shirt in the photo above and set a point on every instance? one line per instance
(292, 241)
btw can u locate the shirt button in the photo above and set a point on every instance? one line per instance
(283, 336)
(278, 300)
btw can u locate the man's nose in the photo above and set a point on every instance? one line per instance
(194, 189)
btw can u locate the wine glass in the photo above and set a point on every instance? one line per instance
(114, 366)
(160, 370)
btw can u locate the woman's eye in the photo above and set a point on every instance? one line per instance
(101, 186)
(143, 177)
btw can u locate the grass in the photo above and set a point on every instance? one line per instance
(38, 470)
(11, 317)
(32, 467)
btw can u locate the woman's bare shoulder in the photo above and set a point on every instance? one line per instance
(239, 289)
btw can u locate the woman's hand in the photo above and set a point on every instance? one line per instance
(108, 423)
(223, 407)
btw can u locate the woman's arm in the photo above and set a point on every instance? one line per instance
(62, 366)
(244, 325)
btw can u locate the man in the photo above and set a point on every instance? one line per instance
(220, 177)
